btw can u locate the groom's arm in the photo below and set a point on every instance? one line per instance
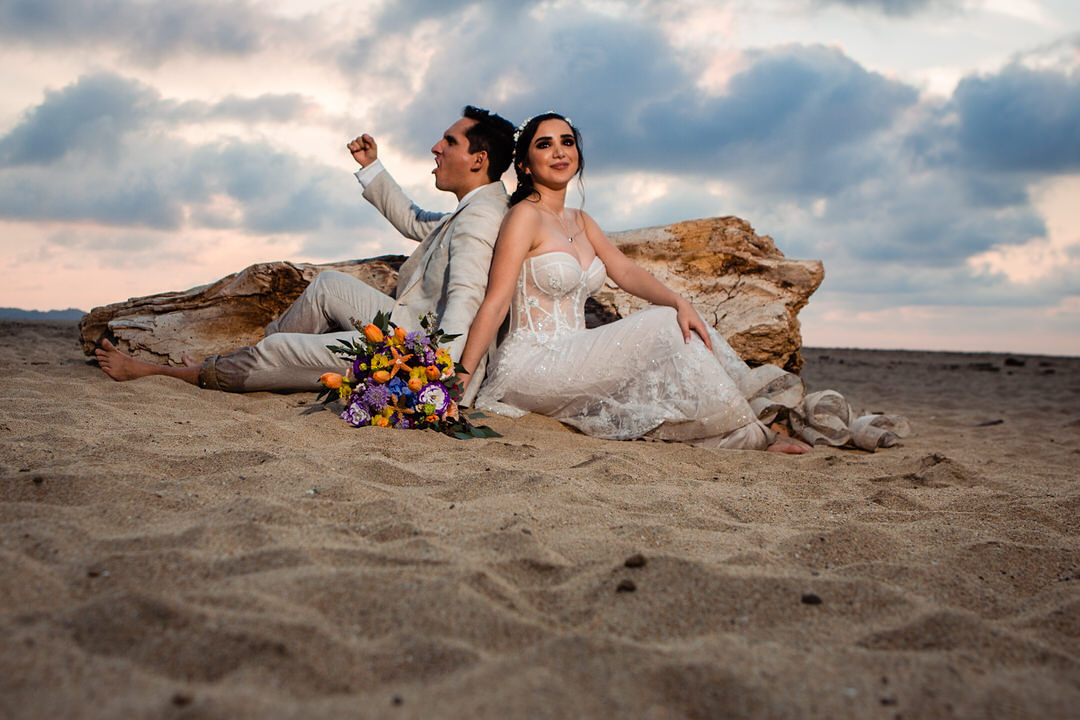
(391, 201)
(386, 195)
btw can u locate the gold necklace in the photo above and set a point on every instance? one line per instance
(562, 224)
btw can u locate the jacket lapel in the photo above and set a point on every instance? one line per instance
(413, 269)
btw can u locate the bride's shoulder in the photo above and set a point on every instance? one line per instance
(521, 226)
(526, 208)
(583, 219)
(523, 214)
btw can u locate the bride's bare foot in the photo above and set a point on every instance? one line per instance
(788, 445)
(123, 367)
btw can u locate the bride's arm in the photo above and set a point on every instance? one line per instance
(636, 280)
(516, 236)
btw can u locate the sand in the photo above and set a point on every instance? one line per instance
(169, 552)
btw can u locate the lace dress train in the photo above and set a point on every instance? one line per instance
(635, 377)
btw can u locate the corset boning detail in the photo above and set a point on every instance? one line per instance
(549, 299)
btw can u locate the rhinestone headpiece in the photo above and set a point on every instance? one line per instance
(521, 127)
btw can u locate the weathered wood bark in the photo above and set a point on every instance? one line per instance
(221, 316)
(741, 283)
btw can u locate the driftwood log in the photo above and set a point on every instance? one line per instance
(739, 281)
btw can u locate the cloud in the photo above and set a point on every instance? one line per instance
(91, 114)
(108, 150)
(1019, 120)
(269, 107)
(810, 144)
(97, 112)
(523, 64)
(892, 7)
(797, 120)
(149, 30)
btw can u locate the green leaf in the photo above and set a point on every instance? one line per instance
(462, 436)
(382, 321)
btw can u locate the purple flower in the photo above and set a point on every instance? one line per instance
(429, 356)
(356, 414)
(376, 398)
(402, 422)
(416, 341)
(434, 393)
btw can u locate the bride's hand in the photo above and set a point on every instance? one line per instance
(464, 377)
(689, 319)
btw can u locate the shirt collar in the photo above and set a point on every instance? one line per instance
(468, 196)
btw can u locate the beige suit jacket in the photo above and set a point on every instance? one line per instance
(447, 274)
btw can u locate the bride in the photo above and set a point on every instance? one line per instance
(661, 373)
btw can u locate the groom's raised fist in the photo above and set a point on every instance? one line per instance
(364, 150)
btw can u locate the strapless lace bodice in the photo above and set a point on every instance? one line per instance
(549, 299)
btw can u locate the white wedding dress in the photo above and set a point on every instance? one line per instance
(637, 377)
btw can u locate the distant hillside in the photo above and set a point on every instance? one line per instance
(69, 315)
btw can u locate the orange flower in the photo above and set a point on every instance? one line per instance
(433, 372)
(382, 421)
(400, 334)
(331, 380)
(380, 376)
(373, 333)
(452, 411)
(415, 384)
(432, 418)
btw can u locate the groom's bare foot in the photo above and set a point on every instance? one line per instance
(123, 367)
(119, 366)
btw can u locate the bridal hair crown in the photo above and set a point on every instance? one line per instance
(521, 127)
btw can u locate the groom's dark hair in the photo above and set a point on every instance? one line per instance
(494, 134)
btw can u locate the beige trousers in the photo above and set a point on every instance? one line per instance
(294, 352)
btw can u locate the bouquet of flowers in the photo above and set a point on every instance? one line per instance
(400, 379)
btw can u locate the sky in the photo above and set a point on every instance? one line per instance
(927, 151)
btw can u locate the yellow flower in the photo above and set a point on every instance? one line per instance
(418, 373)
(379, 362)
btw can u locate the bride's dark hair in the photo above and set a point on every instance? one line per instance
(523, 140)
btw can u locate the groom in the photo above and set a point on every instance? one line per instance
(446, 275)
